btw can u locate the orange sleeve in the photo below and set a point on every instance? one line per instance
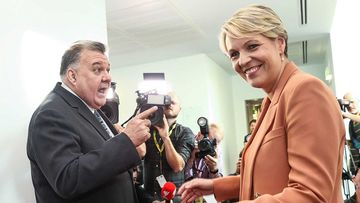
(227, 188)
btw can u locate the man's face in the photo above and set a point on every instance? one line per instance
(92, 78)
(353, 105)
(252, 126)
(173, 110)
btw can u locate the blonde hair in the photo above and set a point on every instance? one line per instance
(219, 135)
(253, 20)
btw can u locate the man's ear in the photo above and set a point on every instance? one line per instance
(71, 76)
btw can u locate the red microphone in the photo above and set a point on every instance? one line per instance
(168, 190)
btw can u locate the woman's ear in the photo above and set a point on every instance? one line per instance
(282, 45)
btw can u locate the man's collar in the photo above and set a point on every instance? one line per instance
(72, 92)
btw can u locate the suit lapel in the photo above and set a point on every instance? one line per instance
(263, 126)
(82, 109)
(249, 155)
(87, 115)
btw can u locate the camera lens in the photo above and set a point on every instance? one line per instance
(202, 121)
(204, 144)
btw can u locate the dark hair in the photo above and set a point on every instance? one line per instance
(72, 55)
(252, 121)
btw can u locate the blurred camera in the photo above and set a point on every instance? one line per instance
(111, 107)
(344, 103)
(149, 99)
(205, 145)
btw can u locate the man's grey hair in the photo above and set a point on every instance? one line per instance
(72, 55)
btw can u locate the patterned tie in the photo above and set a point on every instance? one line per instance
(103, 124)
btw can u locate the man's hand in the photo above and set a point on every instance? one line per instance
(199, 136)
(164, 129)
(118, 127)
(138, 128)
(351, 116)
(211, 162)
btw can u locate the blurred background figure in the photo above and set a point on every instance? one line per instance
(252, 124)
(167, 152)
(207, 166)
(352, 106)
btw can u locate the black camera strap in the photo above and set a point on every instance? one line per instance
(157, 143)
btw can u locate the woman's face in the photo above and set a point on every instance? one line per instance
(257, 59)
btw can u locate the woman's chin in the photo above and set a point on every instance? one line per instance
(253, 83)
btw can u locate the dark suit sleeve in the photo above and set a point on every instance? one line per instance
(57, 146)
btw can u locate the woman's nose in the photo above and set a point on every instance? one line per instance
(244, 58)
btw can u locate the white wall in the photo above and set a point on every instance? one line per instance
(242, 91)
(317, 70)
(345, 49)
(33, 36)
(345, 45)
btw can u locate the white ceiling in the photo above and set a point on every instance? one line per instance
(143, 31)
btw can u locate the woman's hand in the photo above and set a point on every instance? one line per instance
(190, 190)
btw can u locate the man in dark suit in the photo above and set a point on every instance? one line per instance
(76, 156)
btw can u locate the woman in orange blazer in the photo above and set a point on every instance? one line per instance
(295, 153)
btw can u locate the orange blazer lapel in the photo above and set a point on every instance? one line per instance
(263, 125)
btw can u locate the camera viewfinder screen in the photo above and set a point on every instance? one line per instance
(155, 99)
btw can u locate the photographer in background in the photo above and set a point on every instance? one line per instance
(352, 106)
(207, 166)
(167, 151)
(353, 114)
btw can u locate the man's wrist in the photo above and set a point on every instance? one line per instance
(166, 139)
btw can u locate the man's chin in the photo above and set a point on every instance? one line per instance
(170, 116)
(100, 104)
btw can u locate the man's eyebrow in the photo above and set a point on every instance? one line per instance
(100, 63)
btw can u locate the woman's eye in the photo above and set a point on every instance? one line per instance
(252, 46)
(234, 54)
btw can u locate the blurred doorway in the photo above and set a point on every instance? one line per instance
(253, 107)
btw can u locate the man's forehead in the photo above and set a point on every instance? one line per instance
(174, 97)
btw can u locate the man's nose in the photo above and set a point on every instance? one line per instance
(106, 77)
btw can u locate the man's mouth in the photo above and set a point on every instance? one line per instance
(103, 91)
